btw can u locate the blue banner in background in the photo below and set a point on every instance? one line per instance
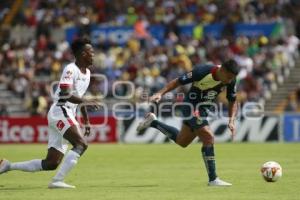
(291, 127)
(187, 30)
(114, 34)
(121, 34)
(158, 32)
(214, 30)
(71, 34)
(254, 30)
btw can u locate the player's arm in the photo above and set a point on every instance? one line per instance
(232, 106)
(86, 120)
(65, 95)
(66, 89)
(232, 110)
(169, 87)
(196, 74)
(85, 116)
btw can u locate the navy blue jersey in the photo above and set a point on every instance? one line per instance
(205, 88)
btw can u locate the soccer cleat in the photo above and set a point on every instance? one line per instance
(60, 185)
(4, 166)
(218, 182)
(149, 118)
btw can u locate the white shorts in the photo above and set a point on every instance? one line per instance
(60, 118)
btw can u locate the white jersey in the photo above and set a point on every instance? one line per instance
(74, 79)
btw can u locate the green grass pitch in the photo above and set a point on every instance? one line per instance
(154, 172)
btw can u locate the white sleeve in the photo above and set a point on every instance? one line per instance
(67, 78)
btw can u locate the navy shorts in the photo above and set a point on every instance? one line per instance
(193, 118)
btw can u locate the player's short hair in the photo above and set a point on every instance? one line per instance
(231, 66)
(78, 45)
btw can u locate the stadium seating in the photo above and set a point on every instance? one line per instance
(34, 48)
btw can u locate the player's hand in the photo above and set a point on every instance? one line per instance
(155, 98)
(231, 126)
(87, 131)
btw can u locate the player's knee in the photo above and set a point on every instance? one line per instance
(182, 144)
(50, 164)
(208, 140)
(53, 166)
(80, 147)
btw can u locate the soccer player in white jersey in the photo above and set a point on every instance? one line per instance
(62, 125)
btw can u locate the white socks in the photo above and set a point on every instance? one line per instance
(27, 166)
(69, 162)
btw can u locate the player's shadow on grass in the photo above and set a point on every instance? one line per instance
(134, 186)
(128, 186)
(2, 188)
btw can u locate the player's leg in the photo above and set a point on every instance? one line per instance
(26, 166)
(208, 155)
(207, 151)
(72, 135)
(183, 137)
(51, 162)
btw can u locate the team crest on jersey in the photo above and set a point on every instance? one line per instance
(68, 75)
(60, 125)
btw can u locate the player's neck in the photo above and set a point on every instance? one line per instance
(216, 74)
(82, 66)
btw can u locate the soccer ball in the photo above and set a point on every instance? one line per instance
(271, 171)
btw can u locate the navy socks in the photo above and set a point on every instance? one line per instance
(169, 131)
(209, 160)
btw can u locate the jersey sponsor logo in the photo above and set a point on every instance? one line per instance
(60, 125)
(211, 95)
(83, 79)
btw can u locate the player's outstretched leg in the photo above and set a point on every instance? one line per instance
(208, 155)
(71, 157)
(183, 137)
(151, 121)
(4, 166)
(51, 162)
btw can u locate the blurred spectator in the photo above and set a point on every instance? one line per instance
(291, 105)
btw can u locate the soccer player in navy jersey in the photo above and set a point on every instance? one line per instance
(207, 82)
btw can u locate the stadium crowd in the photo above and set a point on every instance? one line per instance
(27, 67)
